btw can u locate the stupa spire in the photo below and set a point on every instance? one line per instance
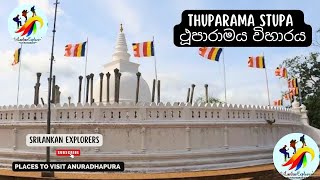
(121, 48)
(121, 28)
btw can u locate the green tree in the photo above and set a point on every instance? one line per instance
(313, 107)
(307, 70)
(210, 99)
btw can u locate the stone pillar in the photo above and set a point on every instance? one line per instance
(138, 86)
(91, 89)
(116, 72)
(57, 94)
(38, 77)
(36, 90)
(108, 87)
(158, 89)
(153, 90)
(35, 102)
(101, 84)
(87, 90)
(206, 88)
(192, 91)
(188, 95)
(80, 85)
(118, 94)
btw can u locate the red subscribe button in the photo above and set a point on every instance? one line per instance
(68, 152)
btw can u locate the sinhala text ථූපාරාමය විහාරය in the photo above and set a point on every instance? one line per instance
(242, 28)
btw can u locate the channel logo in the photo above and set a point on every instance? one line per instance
(27, 24)
(296, 156)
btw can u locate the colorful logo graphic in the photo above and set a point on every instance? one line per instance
(296, 156)
(27, 24)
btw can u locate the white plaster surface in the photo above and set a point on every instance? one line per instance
(157, 138)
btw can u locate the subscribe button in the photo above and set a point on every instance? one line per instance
(68, 152)
(64, 140)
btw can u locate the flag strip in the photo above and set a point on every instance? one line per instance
(144, 49)
(16, 56)
(278, 102)
(282, 72)
(75, 50)
(294, 91)
(256, 62)
(211, 53)
(293, 83)
(288, 96)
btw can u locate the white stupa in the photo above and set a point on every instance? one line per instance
(128, 80)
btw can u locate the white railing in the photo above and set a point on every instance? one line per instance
(146, 111)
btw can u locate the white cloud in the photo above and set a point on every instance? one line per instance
(40, 62)
(123, 12)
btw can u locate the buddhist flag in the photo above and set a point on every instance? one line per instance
(144, 49)
(277, 102)
(294, 91)
(293, 83)
(16, 57)
(75, 50)
(256, 62)
(282, 72)
(288, 96)
(211, 53)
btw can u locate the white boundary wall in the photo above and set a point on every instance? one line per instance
(157, 138)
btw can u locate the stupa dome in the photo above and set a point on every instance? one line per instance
(128, 79)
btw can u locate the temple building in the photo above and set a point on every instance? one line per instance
(128, 80)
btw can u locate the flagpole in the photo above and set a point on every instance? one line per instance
(224, 77)
(155, 61)
(50, 173)
(265, 70)
(18, 92)
(85, 70)
(300, 97)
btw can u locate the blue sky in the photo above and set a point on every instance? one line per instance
(178, 67)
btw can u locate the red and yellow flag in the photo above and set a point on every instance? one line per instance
(75, 50)
(278, 102)
(256, 62)
(144, 49)
(288, 96)
(211, 53)
(294, 91)
(293, 83)
(16, 56)
(282, 72)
